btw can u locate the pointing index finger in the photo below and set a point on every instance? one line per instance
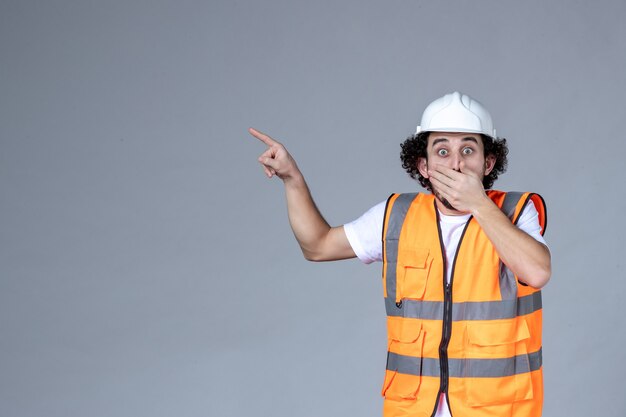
(262, 137)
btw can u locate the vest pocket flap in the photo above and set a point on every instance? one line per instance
(414, 257)
(404, 330)
(497, 333)
(414, 268)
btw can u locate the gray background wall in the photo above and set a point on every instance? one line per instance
(146, 265)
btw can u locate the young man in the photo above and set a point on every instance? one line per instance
(462, 268)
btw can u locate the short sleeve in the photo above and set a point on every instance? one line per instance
(365, 234)
(529, 222)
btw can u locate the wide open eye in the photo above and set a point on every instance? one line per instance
(467, 151)
(442, 152)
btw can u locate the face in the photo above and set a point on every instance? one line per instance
(454, 150)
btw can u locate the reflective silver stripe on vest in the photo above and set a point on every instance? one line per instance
(510, 202)
(394, 227)
(466, 368)
(471, 310)
(412, 365)
(508, 282)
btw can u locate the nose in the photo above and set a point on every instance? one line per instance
(456, 162)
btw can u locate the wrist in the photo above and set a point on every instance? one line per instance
(483, 206)
(295, 179)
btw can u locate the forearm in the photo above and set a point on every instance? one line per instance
(318, 241)
(307, 223)
(527, 258)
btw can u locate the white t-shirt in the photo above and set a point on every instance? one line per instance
(365, 237)
(365, 233)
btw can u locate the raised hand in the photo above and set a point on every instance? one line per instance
(275, 160)
(318, 241)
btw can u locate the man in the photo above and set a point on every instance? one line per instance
(462, 268)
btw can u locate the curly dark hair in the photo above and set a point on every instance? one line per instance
(414, 147)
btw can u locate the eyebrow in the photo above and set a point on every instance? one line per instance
(465, 139)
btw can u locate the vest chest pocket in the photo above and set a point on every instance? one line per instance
(404, 359)
(413, 270)
(497, 367)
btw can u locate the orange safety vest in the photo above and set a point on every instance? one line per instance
(478, 339)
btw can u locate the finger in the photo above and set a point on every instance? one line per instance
(439, 172)
(448, 172)
(267, 171)
(441, 191)
(269, 153)
(271, 163)
(440, 178)
(270, 172)
(262, 137)
(438, 183)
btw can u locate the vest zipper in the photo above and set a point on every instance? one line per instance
(447, 313)
(445, 338)
(443, 345)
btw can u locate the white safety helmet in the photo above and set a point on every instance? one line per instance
(456, 112)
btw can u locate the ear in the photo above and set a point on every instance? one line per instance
(490, 162)
(422, 167)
